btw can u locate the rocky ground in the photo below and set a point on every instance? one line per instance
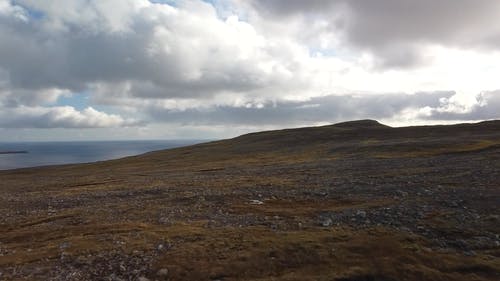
(347, 203)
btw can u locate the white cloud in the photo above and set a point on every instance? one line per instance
(9, 10)
(235, 59)
(60, 117)
(157, 51)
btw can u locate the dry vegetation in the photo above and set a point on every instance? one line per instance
(354, 201)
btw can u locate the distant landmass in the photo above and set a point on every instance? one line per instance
(14, 152)
(346, 202)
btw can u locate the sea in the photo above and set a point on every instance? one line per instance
(56, 153)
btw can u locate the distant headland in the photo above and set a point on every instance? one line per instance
(14, 152)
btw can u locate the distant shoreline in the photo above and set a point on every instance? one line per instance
(14, 152)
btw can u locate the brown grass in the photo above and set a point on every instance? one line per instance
(196, 202)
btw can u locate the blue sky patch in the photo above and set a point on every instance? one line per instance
(32, 13)
(77, 100)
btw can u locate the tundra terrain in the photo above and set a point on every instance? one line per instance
(354, 201)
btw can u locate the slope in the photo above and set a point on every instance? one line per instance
(350, 201)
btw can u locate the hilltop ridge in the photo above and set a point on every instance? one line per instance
(350, 138)
(369, 128)
(360, 124)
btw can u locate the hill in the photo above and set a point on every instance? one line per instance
(351, 201)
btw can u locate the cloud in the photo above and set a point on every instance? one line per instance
(156, 51)
(484, 106)
(325, 109)
(60, 117)
(149, 50)
(394, 30)
(233, 62)
(392, 108)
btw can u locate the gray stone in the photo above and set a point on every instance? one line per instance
(256, 202)
(162, 272)
(326, 222)
(402, 193)
(361, 214)
(64, 245)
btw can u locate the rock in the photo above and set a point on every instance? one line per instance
(470, 253)
(81, 260)
(164, 220)
(142, 278)
(325, 222)
(64, 245)
(405, 229)
(162, 272)
(402, 193)
(361, 214)
(256, 202)
(113, 277)
(493, 218)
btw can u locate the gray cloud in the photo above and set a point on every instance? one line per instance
(395, 30)
(328, 109)
(293, 7)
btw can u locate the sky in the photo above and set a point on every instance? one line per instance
(192, 69)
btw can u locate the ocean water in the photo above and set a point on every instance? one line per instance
(55, 153)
